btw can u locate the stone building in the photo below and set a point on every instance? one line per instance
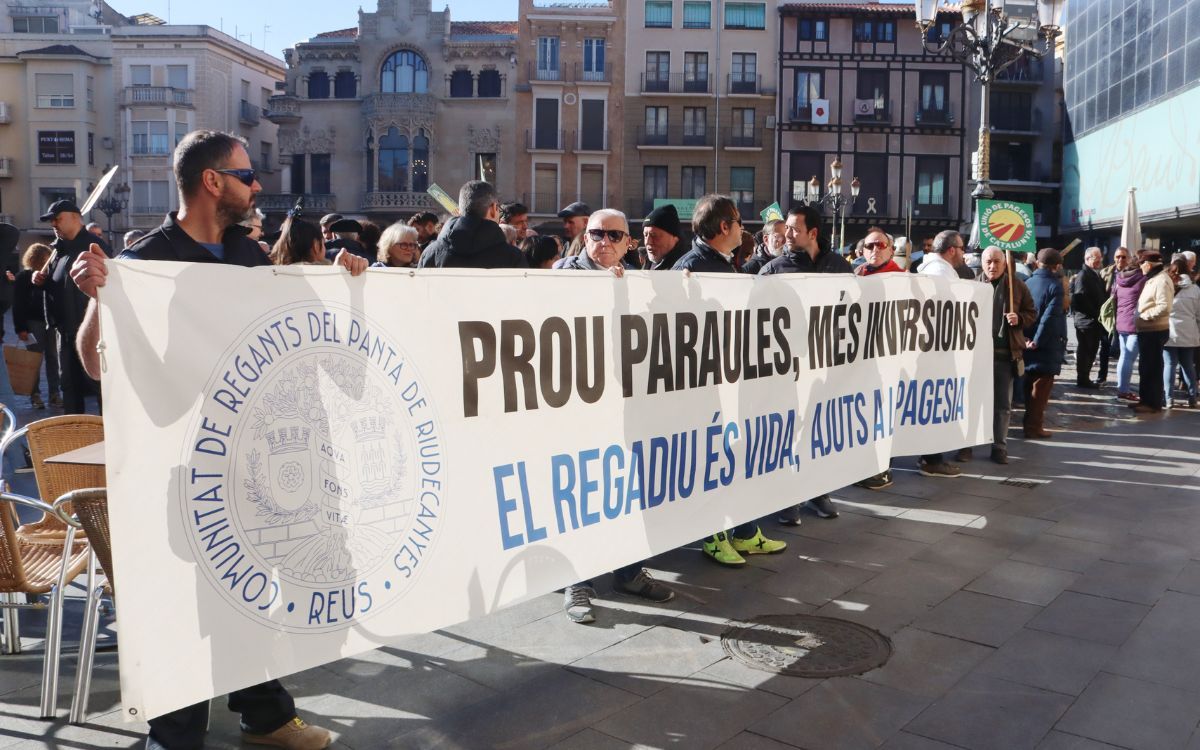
(371, 116)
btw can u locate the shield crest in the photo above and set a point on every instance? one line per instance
(290, 466)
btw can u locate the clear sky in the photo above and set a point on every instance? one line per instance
(290, 21)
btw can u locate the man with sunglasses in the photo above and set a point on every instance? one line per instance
(217, 187)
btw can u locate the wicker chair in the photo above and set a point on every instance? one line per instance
(38, 568)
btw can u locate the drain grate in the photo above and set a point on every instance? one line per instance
(807, 646)
(1022, 483)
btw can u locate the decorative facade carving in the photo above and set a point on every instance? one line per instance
(305, 141)
(483, 140)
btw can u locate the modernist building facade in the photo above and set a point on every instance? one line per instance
(570, 105)
(371, 116)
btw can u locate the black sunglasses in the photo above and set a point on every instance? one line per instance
(614, 235)
(244, 176)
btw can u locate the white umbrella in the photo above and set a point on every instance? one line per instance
(1131, 227)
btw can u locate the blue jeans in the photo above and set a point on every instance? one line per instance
(1129, 355)
(1176, 357)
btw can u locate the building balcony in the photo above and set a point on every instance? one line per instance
(7, 167)
(938, 118)
(5, 113)
(583, 75)
(399, 201)
(269, 202)
(283, 109)
(1025, 71)
(158, 211)
(798, 113)
(674, 138)
(539, 73)
(590, 141)
(249, 114)
(743, 85)
(876, 116)
(676, 83)
(150, 148)
(545, 140)
(1016, 122)
(156, 96)
(543, 204)
(736, 140)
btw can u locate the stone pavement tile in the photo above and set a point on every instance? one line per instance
(742, 604)
(1009, 529)
(730, 671)
(750, 741)
(1142, 551)
(906, 741)
(1083, 524)
(949, 498)
(842, 714)
(978, 618)
(926, 663)
(926, 526)
(1188, 580)
(590, 739)
(1093, 618)
(964, 551)
(984, 713)
(1062, 741)
(1061, 552)
(887, 614)
(1022, 582)
(875, 551)
(1042, 502)
(651, 660)
(542, 712)
(1179, 527)
(1133, 714)
(1049, 661)
(924, 583)
(691, 573)
(845, 526)
(691, 715)
(1140, 584)
(1163, 648)
(815, 582)
(508, 618)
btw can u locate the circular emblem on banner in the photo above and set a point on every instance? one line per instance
(312, 489)
(1006, 225)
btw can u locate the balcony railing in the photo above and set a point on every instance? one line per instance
(594, 75)
(250, 114)
(734, 139)
(674, 137)
(1025, 121)
(744, 84)
(676, 83)
(7, 166)
(1024, 70)
(877, 115)
(398, 200)
(156, 95)
(590, 140)
(541, 203)
(545, 140)
(802, 112)
(538, 72)
(286, 201)
(149, 210)
(151, 148)
(934, 117)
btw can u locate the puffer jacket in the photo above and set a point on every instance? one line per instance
(1154, 303)
(1126, 289)
(471, 242)
(1185, 315)
(1049, 331)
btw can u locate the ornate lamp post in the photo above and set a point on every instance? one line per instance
(114, 202)
(834, 198)
(990, 39)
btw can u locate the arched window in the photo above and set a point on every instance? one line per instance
(344, 85)
(318, 85)
(462, 84)
(393, 162)
(420, 162)
(404, 72)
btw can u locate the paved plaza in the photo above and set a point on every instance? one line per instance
(1052, 603)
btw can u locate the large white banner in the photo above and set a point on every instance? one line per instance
(304, 466)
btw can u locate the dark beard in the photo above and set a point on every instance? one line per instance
(229, 213)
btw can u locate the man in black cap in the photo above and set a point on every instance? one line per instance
(65, 304)
(345, 237)
(661, 232)
(574, 218)
(474, 239)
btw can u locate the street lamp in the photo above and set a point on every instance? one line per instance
(111, 205)
(994, 34)
(834, 199)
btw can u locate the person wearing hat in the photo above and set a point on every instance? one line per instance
(345, 237)
(1153, 325)
(326, 223)
(661, 232)
(65, 304)
(574, 218)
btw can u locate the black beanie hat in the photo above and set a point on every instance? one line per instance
(664, 217)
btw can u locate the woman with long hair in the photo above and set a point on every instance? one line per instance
(299, 243)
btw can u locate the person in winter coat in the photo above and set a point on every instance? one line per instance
(1126, 288)
(1087, 297)
(1153, 330)
(878, 252)
(1110, 339)
(1046, 340)
(773, 243)
(1185, 332)
(661, 232)
(474, 239)
(29, 321)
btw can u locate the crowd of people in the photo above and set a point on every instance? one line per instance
(1144, 312)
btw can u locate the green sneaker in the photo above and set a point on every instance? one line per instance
(720, 550)
(758, 545)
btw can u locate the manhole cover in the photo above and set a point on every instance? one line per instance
(1023, 483)
(807, 646)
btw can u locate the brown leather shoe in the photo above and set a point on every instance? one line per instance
(964, 455)
(295, 735)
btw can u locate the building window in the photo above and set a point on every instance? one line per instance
(345, 85)
(52, 195)
(55, 90)
(813, 30)
(658, 71)
(742, 127)
(393, 162)
(872, 171)
(489, 83)
(547, 59)
(695, 72)
(933, 105)
(741, 189)
(656, 126)
(177, 77)
(149, 138)
(420, 162)
(318, 85)
(874, 31)
(591, 184)
(55, 147)
(297, 185)
(931, 182)
(91, 94)
(35, 24)
(404, 72)
(939, 32)
(264, 157)
(181, 129)
(743, 78)
(810, 86)
(462, 84)
(139, 75)
(485, 167)
(91, 149)
(692, 183)
(545, 188)
(1012, 110)
(658, 14)
(697, 15)
(745, 15)
(151, 197)
(872, 100)
(593, 59)
(654, 185)
(695, 126)
(319, 166)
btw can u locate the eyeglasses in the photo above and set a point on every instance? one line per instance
(875, 245)
(614, 235)
(244, 176)
(408, 245)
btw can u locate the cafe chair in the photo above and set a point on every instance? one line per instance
(90, 508)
